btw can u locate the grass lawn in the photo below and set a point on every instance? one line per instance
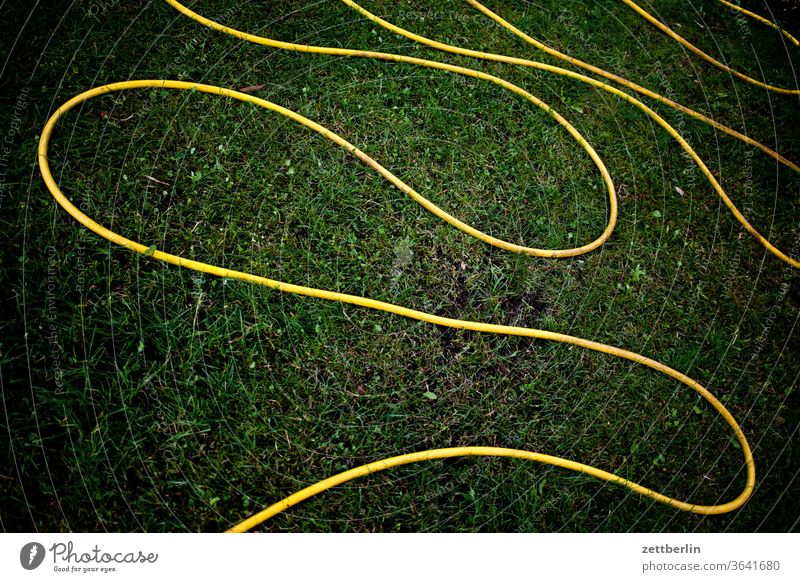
(143, 397)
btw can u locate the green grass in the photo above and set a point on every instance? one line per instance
(138, 396)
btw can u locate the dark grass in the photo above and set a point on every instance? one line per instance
(144, 397)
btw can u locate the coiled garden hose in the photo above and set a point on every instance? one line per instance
(369, 468)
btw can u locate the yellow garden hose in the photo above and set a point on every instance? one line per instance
(578, 63)
(388, 307)
(675, 36)
(537, 65)
(534, 64)
(367, 469)
(762, 20)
